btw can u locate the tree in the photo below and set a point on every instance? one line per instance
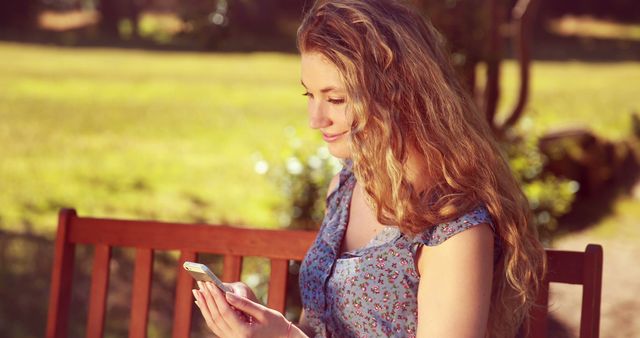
(113, 12)
(18, 15)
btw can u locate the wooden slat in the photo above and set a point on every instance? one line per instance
(98, 293)
(591, 292)
(279, 244)
(278, 284)
(183, 305)
(539, 320)
(141, 293)
(61, 278)
(231, 268)
(565, 266)
(571, 267)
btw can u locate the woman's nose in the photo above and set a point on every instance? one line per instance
(317, 116)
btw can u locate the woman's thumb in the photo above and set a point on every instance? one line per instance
(237, 289)
(247, 306)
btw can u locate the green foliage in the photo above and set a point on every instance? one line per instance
(549, 196)
(303, 178)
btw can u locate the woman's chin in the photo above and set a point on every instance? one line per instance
(339, 150)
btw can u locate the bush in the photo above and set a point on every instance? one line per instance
(549, 196)
(303, 179)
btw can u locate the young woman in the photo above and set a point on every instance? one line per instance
(426, 231)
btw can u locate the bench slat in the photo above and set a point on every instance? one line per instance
(184, 302)
(571, 267)
(278, 284)
(141, 293)
(565, 266)
(98, 293)
(539, 314)
(61, 278)
(591, 292)
(223, 240)
(231, 269)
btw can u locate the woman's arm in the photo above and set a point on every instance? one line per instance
(455, 285)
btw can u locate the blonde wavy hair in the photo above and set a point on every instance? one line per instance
(406, 97)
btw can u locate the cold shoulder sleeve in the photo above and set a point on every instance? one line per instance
(439, 233)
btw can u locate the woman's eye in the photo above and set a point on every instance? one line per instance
(307, 94)
(336, 101)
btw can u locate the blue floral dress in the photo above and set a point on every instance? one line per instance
(371, 291)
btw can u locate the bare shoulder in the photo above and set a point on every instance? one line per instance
(461, 269)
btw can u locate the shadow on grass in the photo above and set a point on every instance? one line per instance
(557, 48)
(590, 209)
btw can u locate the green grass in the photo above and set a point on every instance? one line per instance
(574, 94)
(172, 136)
(140, 134)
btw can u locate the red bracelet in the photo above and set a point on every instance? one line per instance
(289, 329)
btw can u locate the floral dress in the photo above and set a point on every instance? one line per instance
(371, 291)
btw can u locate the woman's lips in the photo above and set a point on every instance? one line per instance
(332, 137)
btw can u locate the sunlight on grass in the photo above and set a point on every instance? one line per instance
(586, 26)
(142, 135)
(172, 136)
(572, 94)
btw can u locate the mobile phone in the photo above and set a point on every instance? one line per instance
(201, 272)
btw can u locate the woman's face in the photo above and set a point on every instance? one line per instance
(327, 102)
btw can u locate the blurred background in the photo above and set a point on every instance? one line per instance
(191, 111)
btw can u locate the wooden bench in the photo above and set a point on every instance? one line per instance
(572, 267)
(280, 246)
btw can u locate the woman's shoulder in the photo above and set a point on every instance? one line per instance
(439, 233)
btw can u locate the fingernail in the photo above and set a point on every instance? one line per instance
(200, 285)
(195, 293)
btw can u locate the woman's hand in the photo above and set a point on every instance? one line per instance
(224, 321)
(242, 290)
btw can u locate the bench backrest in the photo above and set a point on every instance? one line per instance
(279, 246)
(572, 267)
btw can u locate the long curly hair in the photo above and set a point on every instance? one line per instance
(406, 98)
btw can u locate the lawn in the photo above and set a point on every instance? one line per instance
(175, 135)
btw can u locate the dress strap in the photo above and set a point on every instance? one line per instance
(441, 232)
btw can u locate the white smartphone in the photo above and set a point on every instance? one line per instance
(201, 272)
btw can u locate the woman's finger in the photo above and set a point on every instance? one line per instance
(213, 309)
(242, 290)
(206, 314)
(229, 315)
(249, 307)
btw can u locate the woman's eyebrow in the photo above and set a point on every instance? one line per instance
(323, 90)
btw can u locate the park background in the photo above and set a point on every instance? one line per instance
(191, 111)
